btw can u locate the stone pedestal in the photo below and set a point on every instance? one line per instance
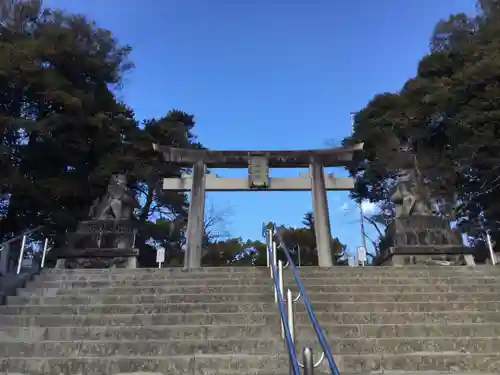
(100, 244)
(422, 240)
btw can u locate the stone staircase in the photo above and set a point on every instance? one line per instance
(405, 320)
(211, 321)
(224, 321)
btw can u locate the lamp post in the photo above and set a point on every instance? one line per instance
(360, 206)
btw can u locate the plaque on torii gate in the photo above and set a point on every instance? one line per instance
(258, 164)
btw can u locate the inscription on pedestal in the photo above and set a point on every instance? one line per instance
(110, 234)
(423, 231)
(106, 226)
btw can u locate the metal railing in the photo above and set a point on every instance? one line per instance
(25, 252)
(287, 326)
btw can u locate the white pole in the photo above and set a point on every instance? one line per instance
(361, 214)
(276, 291)
(289, 303)
(45, 247)
(21, 255)
(269, 243)
(275, 253)
(280, 284)
(273, 246)
(490, 247)
(270, 265)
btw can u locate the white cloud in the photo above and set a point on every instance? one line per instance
(344, 207)
(368, 207)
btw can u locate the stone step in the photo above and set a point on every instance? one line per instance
(401, 288)
(207, 307)
(228, 307)
(159, 275)
(401, 330)
(249, 297)
(405, 271)
(402, 306)
(151, 276)
(140, 299)
(207, 288)
(445, 317)
(396, 372)
(171, 270)
(191, 289)
(143, 348)
(259, 281)
(145, 319)
(158, 348)
(150, 332)
(262, 281)
(245, 331)
(179, 271)
(401, 297)
(248, 364)
(451, 362)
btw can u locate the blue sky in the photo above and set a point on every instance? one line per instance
(268, 74)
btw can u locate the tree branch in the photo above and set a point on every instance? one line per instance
(374, 223)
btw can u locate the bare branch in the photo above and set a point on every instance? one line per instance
(374, 223)
(374, 244)
(216, 223)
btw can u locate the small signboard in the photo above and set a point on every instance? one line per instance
(160, 256)
(361, 255)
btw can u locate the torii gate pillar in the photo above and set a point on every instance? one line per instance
(196, 215)
(321, 215)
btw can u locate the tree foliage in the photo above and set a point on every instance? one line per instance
(60, 121)
(64, 132)
(300, 241)
(450, 111)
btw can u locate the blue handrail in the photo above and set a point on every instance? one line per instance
(294, 363)
(319, 332)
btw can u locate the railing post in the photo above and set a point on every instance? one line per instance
(4, 259)
(490, 248)
(269, 243)
(290, 313)
(45, 247)
(21, 255)
(272, 273)
(307, 357)
(275, 253)
(280, 283)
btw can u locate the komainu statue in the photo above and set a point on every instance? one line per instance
(108, 239)
(417, 235)
(118, 203)
(408, 195)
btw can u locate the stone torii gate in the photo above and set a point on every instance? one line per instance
(258, 164)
